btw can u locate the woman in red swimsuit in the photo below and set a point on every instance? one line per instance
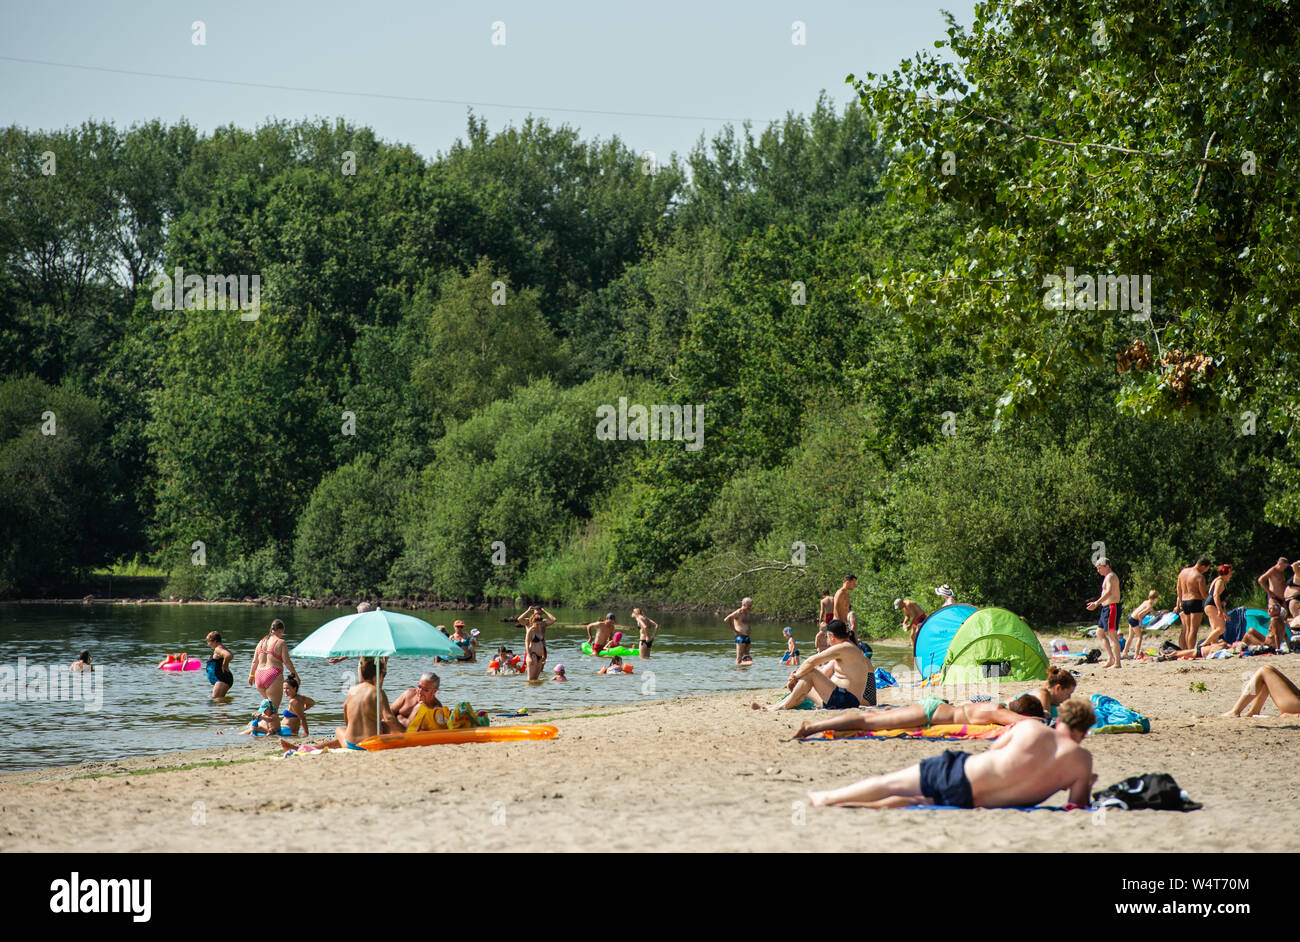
(269, 662)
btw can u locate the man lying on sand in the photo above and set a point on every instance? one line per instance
(1028, 764)
(931, 711)
(847, 680)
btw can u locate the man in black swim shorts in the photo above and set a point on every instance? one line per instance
(1028, 764)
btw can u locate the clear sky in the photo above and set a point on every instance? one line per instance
(657, 75)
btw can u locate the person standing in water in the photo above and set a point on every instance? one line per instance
(218, 666)
(1108, 619)
(646, 636)
(269, 662)
(739, 622)
(535, 641)
(82, 663)
(604, 629)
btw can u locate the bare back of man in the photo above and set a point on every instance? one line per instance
(1191, 604)
(1028, 764)
(847, 676)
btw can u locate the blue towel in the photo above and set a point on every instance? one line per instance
(1110, 712)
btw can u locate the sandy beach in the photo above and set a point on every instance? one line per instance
(692, 774)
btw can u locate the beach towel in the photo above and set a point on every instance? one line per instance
(884, 678)
(1110, 712)
(1014, 808)
(938, 732)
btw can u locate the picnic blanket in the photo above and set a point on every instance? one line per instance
(938, 732)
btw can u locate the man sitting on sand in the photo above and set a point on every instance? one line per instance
(931, 711)
(846, 683)
(1028, 764)
(358, 713)
(424, 693)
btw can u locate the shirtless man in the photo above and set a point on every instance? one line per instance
(603, 628)
(842, 601)
(645, 636)
(1108, 619)
(1028, 764)
(739, 622)
(823, 639)
(359, 712)
(846, 684)
(408, 701)
(1273, 581)
(1191, 601)
(913, 618)
(825, 609)
(930, 711)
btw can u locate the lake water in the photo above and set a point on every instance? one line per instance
(131, 708)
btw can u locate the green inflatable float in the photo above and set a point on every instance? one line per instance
(994, 644)
(616, 651)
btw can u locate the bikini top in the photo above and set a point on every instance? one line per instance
(290, 715)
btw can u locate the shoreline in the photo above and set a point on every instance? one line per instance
(696, 773)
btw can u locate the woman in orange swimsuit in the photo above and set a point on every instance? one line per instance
(269, 662)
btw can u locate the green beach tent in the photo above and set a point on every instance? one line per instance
(994, 644)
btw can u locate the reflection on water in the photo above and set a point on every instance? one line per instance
(132, 708)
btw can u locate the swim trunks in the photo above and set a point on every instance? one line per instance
(742, 639)
(1193, 606)
(943, 779)
(353, 746)
(841, 699)
(1108, 617)
(930, 704)
(1132, 622)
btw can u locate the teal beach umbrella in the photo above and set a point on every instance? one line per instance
(376, 634)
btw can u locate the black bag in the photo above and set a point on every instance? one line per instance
(1169, 647)
(1153, 790)
(1092, 657)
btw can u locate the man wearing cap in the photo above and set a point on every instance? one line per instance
(463, 641)
(913, 618)
(603, 628)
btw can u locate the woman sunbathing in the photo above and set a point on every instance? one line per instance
(931, 711)
(1268, 682)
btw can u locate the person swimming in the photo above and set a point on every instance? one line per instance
(559, 673)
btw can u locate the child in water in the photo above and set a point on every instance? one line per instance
(559, 673)
(791, 655)
(263, 722)
(615, 666)
(295, 711)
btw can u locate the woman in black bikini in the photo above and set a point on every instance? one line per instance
(1215, 610)
(1291, 597)
(535, 640)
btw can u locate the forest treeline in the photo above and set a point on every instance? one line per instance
(411, 407)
